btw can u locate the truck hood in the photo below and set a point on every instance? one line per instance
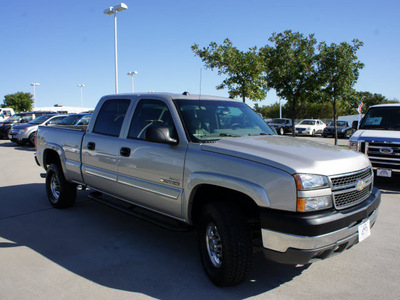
(376, 135)
(293, 155)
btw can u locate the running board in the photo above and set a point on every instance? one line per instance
(141, 213)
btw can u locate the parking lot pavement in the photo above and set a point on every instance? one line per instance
(92, 251)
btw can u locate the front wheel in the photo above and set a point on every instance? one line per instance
(225, 244)
(32, 139)
(60, 192)
(281, 131)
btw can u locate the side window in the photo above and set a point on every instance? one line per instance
(111, 116)
(147, 113)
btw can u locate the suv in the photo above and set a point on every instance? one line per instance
(17, 119)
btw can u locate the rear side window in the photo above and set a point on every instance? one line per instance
(111, 116)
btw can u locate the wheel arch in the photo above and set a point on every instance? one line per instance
(206, 193)
(54, 155)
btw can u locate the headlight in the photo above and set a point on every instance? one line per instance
(310, 181)
(353, 145)
(308, 196)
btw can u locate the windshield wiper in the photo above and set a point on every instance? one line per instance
(261, 133)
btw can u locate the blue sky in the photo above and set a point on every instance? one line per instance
(60, 44)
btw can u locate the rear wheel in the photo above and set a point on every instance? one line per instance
(60, 192)
(225, 244)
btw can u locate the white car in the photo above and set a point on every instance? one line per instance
(310, 127)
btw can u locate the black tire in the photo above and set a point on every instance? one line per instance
(281, 131)
(60, 192)
(225, 244)
(313, 133)
(31, 139)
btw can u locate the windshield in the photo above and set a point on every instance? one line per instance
(71, 120)
(85, 120)
(383, 118)
(278, 121)
(338, 123)
(307, 122)
(208, 120)
(41, 119)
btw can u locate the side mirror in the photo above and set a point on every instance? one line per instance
(158, 134)
(354, 125)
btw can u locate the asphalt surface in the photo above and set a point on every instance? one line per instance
(91, 251)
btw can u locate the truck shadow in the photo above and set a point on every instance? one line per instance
(119, 251)
(10, 144)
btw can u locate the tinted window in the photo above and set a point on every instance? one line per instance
(111, 116)
(147, 113)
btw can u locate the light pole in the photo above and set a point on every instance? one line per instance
(34, 84)
(109, 11)
(131, 74)
(81, 85)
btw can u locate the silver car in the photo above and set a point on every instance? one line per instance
(25, 133)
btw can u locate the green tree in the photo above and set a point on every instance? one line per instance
(368, 99)
(338, 71)
(19, 101)
(243, 69)
(290, 68)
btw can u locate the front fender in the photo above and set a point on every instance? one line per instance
(252, 190)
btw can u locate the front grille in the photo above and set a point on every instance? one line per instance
(352, 188)
(382, 155)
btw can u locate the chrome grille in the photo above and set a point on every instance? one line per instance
(383, 155)
(351, 189)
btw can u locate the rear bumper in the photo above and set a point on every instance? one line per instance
(299, 239)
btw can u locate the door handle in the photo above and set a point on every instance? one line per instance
(125, 151)
(91, 145)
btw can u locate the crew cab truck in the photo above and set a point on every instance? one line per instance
(213, 164)
(378, 136)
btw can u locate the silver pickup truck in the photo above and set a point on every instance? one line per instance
(213, 164)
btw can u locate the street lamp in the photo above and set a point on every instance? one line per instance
(131, 74)
(81, 85)
(34, 84)
(109, 11)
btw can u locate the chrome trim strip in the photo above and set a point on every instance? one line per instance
(147, 189)
(101, 176)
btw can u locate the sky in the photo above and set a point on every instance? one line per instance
(60, 44)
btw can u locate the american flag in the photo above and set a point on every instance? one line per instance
(360, 106)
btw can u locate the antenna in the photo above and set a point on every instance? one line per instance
(201, 77)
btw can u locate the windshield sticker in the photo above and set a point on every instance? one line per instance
(373, 121)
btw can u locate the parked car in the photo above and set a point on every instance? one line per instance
(281, 126)
(18, 118)
(21, 134)
(310, 127)
(344, 130)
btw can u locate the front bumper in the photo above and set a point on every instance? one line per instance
(302, 239)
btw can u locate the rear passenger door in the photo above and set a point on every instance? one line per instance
(101, 146)
(151, 174)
